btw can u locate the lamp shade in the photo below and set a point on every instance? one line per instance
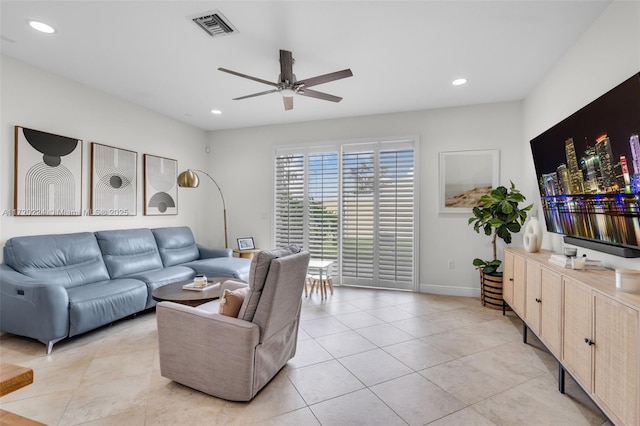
(188, 179)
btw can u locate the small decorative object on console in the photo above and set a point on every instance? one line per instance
(533, 235)
(628, 280)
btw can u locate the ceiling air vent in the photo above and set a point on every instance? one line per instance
(214, 23)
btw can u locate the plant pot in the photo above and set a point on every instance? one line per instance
(491, 290)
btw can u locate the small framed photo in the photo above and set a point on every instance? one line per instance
(246, 243)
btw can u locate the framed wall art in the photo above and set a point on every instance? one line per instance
(47, 174)
(160, 186)
(113, 181)
(465, 176)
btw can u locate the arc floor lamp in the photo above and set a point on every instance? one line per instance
(189, 179)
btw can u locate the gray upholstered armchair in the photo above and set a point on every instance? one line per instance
(233, 358)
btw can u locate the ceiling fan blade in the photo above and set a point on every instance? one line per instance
(286, 66)
(288, 102)
(256, 94)
(259, 80)
(319, 95)
(313, 81)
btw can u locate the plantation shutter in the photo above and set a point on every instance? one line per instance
(289, 199)
(323, 205)
(396, 218)
(378, 215)
(358, 217)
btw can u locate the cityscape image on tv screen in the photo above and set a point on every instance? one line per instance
(588, 169)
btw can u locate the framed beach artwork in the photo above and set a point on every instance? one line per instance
(113, 181)
(465, 176)
(160, 186)
(47, 174)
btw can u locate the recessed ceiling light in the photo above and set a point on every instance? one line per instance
(216, 111)
(459, 81)
(42, 27)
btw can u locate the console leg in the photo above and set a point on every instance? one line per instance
(560, 378)
(524, 332)
(504, 308)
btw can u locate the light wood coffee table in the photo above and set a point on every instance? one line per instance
(175, 293)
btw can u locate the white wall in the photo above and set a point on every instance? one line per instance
(244, 166)
(606, 55)
(36, 99)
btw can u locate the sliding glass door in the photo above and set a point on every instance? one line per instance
(354, 204)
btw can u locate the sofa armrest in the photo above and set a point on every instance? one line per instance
(206, 351)
(32, 308)
(206, 253)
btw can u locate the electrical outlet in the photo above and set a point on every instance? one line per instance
(452, 264)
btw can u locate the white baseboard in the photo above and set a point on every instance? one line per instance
(449, 290)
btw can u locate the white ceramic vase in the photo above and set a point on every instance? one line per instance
(532, 235)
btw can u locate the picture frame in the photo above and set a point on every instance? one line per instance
(160, 186)
(113, 181)
(465, 176)
(47, 174)
(246, 243)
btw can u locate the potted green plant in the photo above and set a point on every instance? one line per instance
(499, 216)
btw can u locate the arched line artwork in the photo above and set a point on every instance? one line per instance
(113, 181)
(160, 186)
(48, 174)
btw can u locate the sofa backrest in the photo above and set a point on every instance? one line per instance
(63, 259)
(129, 251)
(258, 273)
(176, 245)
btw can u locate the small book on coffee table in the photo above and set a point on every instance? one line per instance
(194, 287)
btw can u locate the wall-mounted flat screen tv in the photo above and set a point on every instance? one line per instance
(588, 170)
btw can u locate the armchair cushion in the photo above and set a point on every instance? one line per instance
(231, 301)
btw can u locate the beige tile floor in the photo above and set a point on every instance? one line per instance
(364, 357)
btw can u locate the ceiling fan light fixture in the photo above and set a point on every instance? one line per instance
(287, 93)
(216, 112)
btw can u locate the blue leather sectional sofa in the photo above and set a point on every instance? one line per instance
(57, 286)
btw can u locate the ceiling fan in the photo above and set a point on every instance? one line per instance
(287, 85)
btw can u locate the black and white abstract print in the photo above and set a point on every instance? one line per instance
(160, 187)
(48, 174)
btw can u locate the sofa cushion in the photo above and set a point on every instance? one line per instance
(96, 304)
(260, 265)
(64, 259)
(128, 251)
(232, 267)
(160, 277)
(176, 245)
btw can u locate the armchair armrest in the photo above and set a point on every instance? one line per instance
(32, 308)
(206, 351)
(206, 253)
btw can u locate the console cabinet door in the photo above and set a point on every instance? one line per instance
(551, 310)
(576, 350)
(532, 304)
(507, 282)
(519, 284)
(616, 359)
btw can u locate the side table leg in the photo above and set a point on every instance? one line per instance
(561, 375)
(524, 332)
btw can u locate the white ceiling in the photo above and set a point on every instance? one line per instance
(403, 54)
